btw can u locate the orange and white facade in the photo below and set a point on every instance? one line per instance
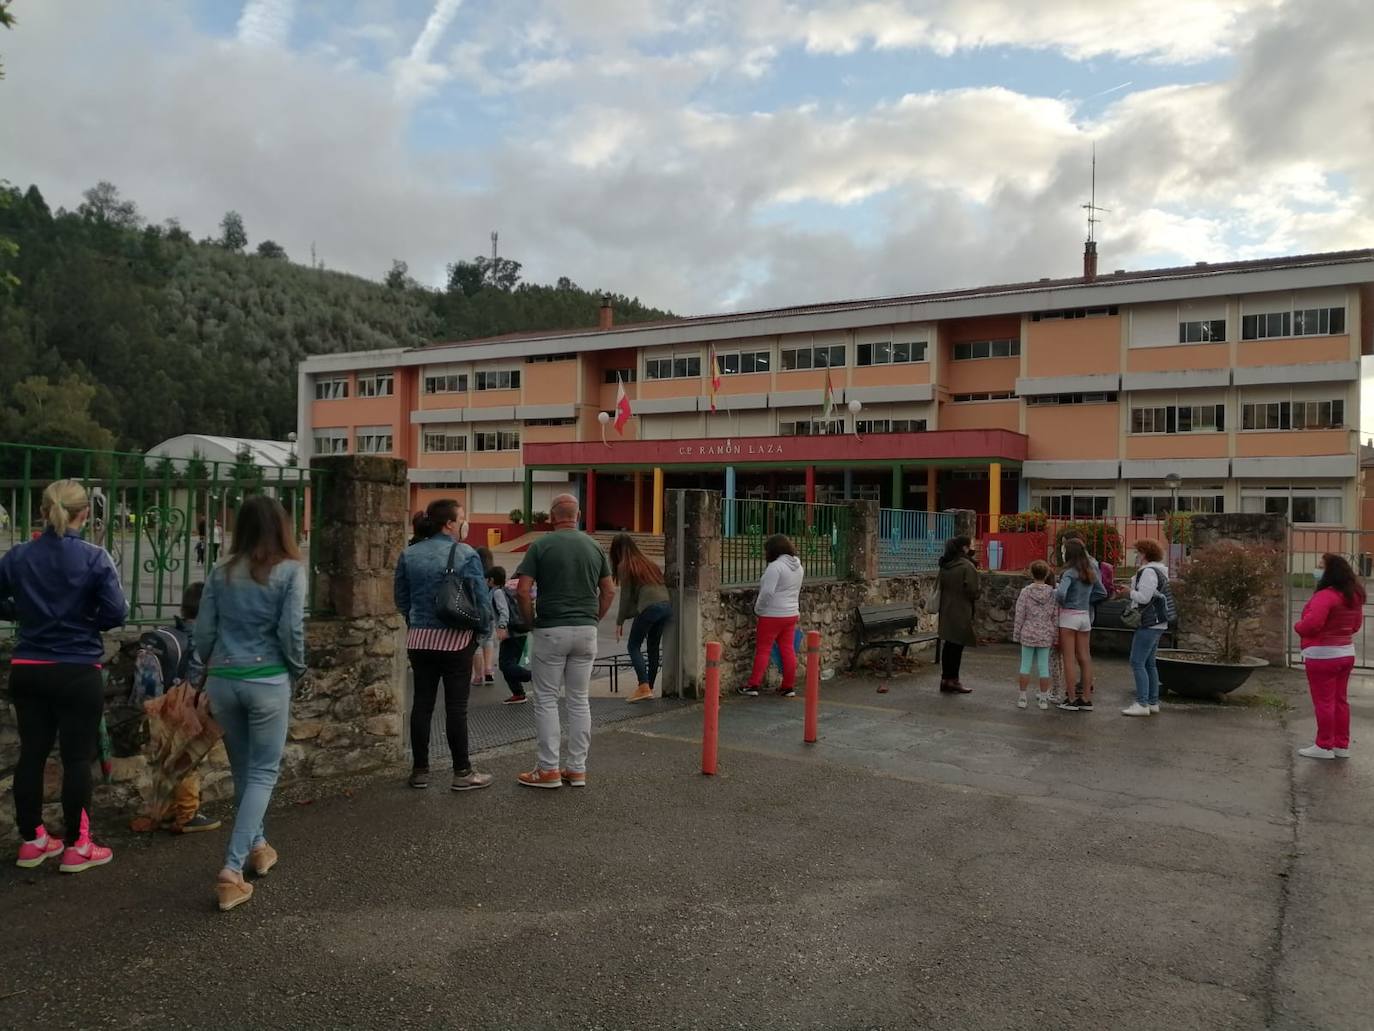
(1241, 379)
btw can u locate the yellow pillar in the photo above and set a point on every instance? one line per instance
(639, 495)
(994, 493)
(658, 501)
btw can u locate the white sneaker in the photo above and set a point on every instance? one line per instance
(1136, 709)
(1043, 701)
(1342, 753)
(1313, 752)
(1021, 700)
(1154, 709)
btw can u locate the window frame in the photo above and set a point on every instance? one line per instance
(460, 380)
(484, 376)
(448, 435)
(506, 440)
(370, 385)
(811, 351)
(1206, 331)
(332, 434)
(339, 393)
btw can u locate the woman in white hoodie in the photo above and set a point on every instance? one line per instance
(1149, 591)
(778, 607)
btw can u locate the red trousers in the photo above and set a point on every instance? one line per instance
(781, 629)
(1327, 679)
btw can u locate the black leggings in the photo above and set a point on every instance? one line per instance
(63, 703)
(455, 670)
(951, 655)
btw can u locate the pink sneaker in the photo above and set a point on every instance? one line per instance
(84, 855)
(32, 853)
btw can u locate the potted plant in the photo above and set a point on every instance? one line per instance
(538, 519)
(1223, 586)
(517, 516)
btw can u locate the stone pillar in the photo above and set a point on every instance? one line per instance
(658, 500)
(693, 586)
(966, 523)
(863, 541)
(346, 716)
(730, 508)
(932, 488)
(897, 498)
(848, 483)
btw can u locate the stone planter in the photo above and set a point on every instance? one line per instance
(1190, 674)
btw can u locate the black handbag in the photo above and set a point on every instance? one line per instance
(454, 604)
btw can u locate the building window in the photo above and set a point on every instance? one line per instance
(889, 353)
(1304, 322)
(620, 376)
(504, 379)
(1101, 398)
(444, 442)
(1293, 415)
(1073, 313)
(995, 395)
(1179, 419)
(744, 362)
(971, 349)
(372, 440)
(380, 384)
(1202, 332)
(1322, 505)
(539, 359)
(797, 359)
(1155, 502)
(496, 440)
(447, 383)
(811, 428)
(1072, 503)
(331, 389)
(331, 442)
(676, 367)
(550, 422)
(889, 426)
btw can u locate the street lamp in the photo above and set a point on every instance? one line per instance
(855, 407)
(1172, 481)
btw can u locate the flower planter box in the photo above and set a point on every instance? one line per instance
(1194, 675)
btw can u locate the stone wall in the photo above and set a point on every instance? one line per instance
(346, 715)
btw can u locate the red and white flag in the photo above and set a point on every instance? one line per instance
(715, 376)
(622, 406)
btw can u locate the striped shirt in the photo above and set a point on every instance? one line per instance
(437, 639)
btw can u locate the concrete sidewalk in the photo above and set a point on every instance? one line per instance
(935, 861)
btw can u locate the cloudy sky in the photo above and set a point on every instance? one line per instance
(713, 154)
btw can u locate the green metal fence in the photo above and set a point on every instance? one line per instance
(820, 534)
(163, 521)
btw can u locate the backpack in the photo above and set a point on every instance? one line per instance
(163, 659)
(515, 622)
(1108, 573)
(1162, 607)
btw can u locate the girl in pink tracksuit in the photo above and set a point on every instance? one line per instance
(1329, 622)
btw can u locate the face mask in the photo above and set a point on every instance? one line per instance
(1317, 574)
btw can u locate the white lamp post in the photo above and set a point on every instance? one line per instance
(855, 407)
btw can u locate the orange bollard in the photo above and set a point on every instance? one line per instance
(710, 728)
(813, 685)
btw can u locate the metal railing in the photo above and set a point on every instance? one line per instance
(163, 521)
(911, 542)
(1011, 542)
(820, 534)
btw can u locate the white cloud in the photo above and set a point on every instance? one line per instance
(416, 75)
(266, 23)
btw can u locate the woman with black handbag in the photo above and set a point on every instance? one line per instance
(441, 590)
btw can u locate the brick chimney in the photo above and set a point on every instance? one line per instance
(607, 318)
(1090, 259)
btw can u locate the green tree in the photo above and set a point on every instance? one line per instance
(399, 276)
(104, 206)
(7, 22)
(271, 249)
(232, 236)
(55, 414)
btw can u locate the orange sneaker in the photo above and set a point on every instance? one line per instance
(537, 778)
(642, 692)
(574, 779)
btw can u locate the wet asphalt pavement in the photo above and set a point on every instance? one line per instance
(935, 861)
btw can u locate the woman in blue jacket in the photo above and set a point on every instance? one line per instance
(438, 652)
(251, 636)
(1080, 587)
(63, 591)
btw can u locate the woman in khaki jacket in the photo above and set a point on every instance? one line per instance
(959, 589)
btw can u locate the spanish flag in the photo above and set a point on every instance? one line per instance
(715, 376)
(829, 398)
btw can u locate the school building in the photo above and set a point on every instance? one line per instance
(1228, 387)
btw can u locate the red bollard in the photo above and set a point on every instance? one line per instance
(813, 685)
(711, 724)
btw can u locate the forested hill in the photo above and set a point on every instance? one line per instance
(118, 332)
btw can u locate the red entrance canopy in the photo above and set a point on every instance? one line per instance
(945, 447)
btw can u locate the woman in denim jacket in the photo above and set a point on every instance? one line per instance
(251, 635)
(438, 652)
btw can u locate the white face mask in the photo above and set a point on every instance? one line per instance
(1317, 574)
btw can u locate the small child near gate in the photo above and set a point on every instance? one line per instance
(1056, 656)
(1036, 629)
(510, 635)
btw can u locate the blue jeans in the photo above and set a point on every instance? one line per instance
(649, 625)
(254, 715)
(1144, 644)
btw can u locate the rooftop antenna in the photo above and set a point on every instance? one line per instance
(1090, 245)
(1092, 207)
(494, 236)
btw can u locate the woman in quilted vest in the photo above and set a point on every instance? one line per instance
(1330, 620)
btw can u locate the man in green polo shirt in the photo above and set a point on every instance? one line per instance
(575, 591)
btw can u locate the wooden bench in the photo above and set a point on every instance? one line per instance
(887, 627)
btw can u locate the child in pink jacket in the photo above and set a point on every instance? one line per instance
(1036, 629)
(1329, 622)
